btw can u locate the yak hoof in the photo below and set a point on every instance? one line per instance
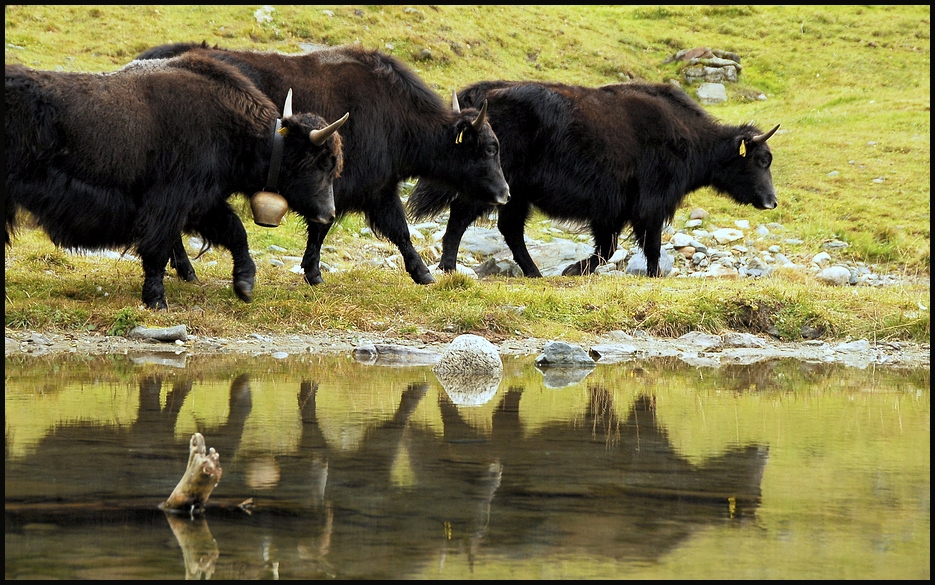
(244, 290)
(188, 276)
(573, 270)
(157, 305)
(313, 279)
(423, 278)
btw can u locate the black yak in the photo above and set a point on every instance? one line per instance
(605, 157)
(399, 128)
(135, 157)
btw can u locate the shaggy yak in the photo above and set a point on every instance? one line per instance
(604, 157)
(132, 158)
(399, 128)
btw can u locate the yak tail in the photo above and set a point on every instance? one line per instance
(429, 198)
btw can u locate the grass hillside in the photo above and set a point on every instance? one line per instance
(849, 84)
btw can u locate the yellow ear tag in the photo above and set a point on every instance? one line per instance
(460, 137)
(283, 131)
(743, 148)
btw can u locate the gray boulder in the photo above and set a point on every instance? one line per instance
(469, 355)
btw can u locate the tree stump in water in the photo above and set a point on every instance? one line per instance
(201, 477)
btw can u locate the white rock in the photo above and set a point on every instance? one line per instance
(470, 354)
(680, 240)
(820, 258)
(727, 235)
(836, 275)
(702, 340)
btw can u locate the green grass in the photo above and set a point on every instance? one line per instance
(850, 85)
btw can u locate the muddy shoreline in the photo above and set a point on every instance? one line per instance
(609, 349)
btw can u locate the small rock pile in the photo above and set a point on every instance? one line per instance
(711, 68)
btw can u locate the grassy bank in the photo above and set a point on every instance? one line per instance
(850, 86)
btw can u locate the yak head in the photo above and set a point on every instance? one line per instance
(472, 156)
(743, 171)
(312, 158)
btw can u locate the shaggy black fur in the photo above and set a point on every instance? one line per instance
(399, 128)
(133, 158)
(603, 157)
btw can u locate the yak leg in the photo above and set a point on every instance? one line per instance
(462, 214)
(312, 259)
(512, 224)
(605, 244)
(390, 221)
(180, 262)
(154, 272)
(221, 226)
(648, 234)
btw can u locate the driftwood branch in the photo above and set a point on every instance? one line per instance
(201, 477)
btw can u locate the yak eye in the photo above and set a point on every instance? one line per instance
(765, 160)
(491, 150)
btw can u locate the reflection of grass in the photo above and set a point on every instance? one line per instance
(849, 449)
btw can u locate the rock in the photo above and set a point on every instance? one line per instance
(637, 263)
(494, 267)
(735, 339)
(612, 352)
(469, 355)
(821, 258)
(712, 93)
(680, 240)
(835, 275)
(727, 235)
(859, 345)
(435, 271)
(561, 354)
(696, 53)
(702, 340)
(809, 333)
(698, 213)
(167, 334)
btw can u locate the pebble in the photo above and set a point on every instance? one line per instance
(753, 253)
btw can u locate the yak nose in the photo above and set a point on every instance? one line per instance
(768, 202)
(504, 196)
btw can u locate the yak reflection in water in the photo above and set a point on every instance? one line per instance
(598, 484)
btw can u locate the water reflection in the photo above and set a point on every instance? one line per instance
(608, 469)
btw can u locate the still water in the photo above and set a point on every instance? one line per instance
(654, 469)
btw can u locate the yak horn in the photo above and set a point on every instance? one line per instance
(454, 102)
(764, 137)
(318, 137)
(479, 121)
(287, 108)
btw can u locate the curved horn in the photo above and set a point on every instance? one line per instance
(287, 108)
(318, 137)
(479, 121)
(454, 102)
(764, 137)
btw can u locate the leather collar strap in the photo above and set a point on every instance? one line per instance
(275, 161)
